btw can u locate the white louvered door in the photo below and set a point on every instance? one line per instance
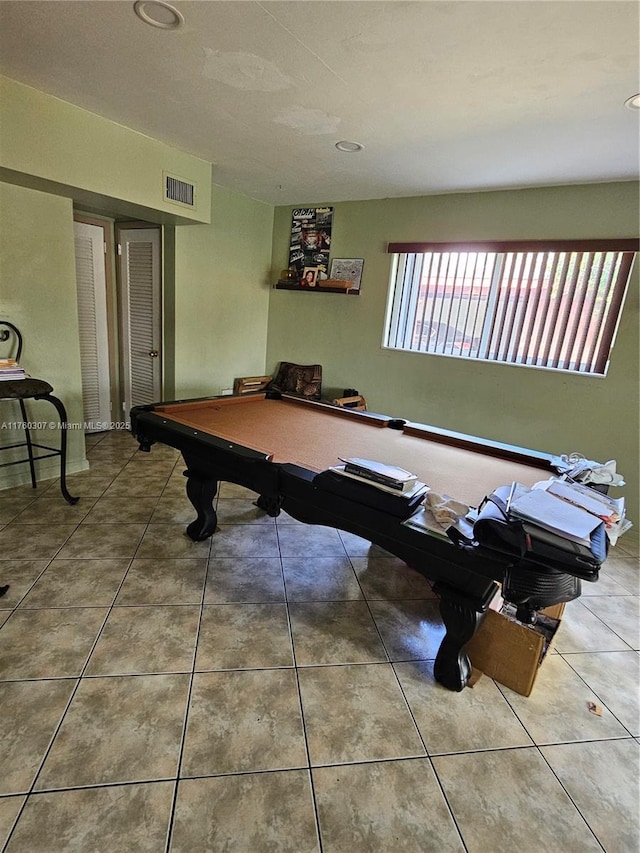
(140, 281)
(92, 322)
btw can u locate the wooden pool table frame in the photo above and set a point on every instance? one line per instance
(466, 579)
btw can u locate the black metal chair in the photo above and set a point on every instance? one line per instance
(33, 389)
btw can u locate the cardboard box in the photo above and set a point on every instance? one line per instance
(512, 652)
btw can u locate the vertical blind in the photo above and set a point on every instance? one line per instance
(552, 305)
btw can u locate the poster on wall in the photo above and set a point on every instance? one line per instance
(311, 240)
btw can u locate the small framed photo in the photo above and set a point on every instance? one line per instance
(309, 277)
(348, 269)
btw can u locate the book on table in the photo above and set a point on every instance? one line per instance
(415, 488)
(390, 476)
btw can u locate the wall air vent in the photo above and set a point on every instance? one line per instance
(178, 191)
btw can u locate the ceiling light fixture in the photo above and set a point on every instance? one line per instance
(158, 14)
(633, 103)
(349, 147)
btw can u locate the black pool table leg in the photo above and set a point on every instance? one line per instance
(270, 505)
(201, 491)
(452, 667)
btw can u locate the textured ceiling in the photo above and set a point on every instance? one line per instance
(445, 96)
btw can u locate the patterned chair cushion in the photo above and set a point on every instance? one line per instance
(305, 380)
(23, 389)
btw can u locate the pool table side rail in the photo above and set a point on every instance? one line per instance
(174, 434)
(486, 446)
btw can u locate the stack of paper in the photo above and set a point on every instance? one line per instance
(10, 370)
(556, 515)
(609, 510)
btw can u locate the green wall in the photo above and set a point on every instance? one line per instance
(38, 295)
(546, 410)
(222, 295)
(49, 144)
(55, 157)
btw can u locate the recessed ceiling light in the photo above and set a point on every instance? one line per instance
(159, 14)
(349, 147)
(633, 103)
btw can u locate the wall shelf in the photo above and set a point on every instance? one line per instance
(285, 285)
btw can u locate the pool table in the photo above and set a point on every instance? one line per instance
(276, 446)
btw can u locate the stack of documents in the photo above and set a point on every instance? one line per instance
(570, 510)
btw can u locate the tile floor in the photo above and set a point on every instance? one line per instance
(272, 689)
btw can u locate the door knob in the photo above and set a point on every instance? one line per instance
(154, 353)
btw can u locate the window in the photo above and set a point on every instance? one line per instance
(543, 304)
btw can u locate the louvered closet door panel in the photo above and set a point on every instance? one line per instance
(141, 290)
(92, 324)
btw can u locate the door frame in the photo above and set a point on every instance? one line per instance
(113, 337)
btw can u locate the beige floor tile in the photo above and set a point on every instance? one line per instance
(621, 614)
(240, 511)
(88, 485)
(557, 709)
(55, 509)
(100, 820)
(231, 491)
(356, 713)
(20, 575)
(285, 518)
(173, 509)
(252, 812)
(12, 503)
(243, 636)
(498, 797)
(244, 722)
(390, 578)
(330, 632)
(244, 580)
(410, 629)
(132, 484)
(122, 729)
(30, 712)
(302, 541)
(582, 631)
(138, 640)
(98, 541)
(474, 719)
(169, 540)
(614, 678)
(77, 583)
(355, 546)
(244, 541)
(624, 570)
(629, 544)
(320, 579)
(601, 778)
(48, 643)
(605, 585)
(9, 810)
(164, 581)
(26, 543)
(383, 806)
(119, 510)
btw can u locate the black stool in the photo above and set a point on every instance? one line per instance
(34, 389)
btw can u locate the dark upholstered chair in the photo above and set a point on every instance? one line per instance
(303, 380)
(33, 389)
